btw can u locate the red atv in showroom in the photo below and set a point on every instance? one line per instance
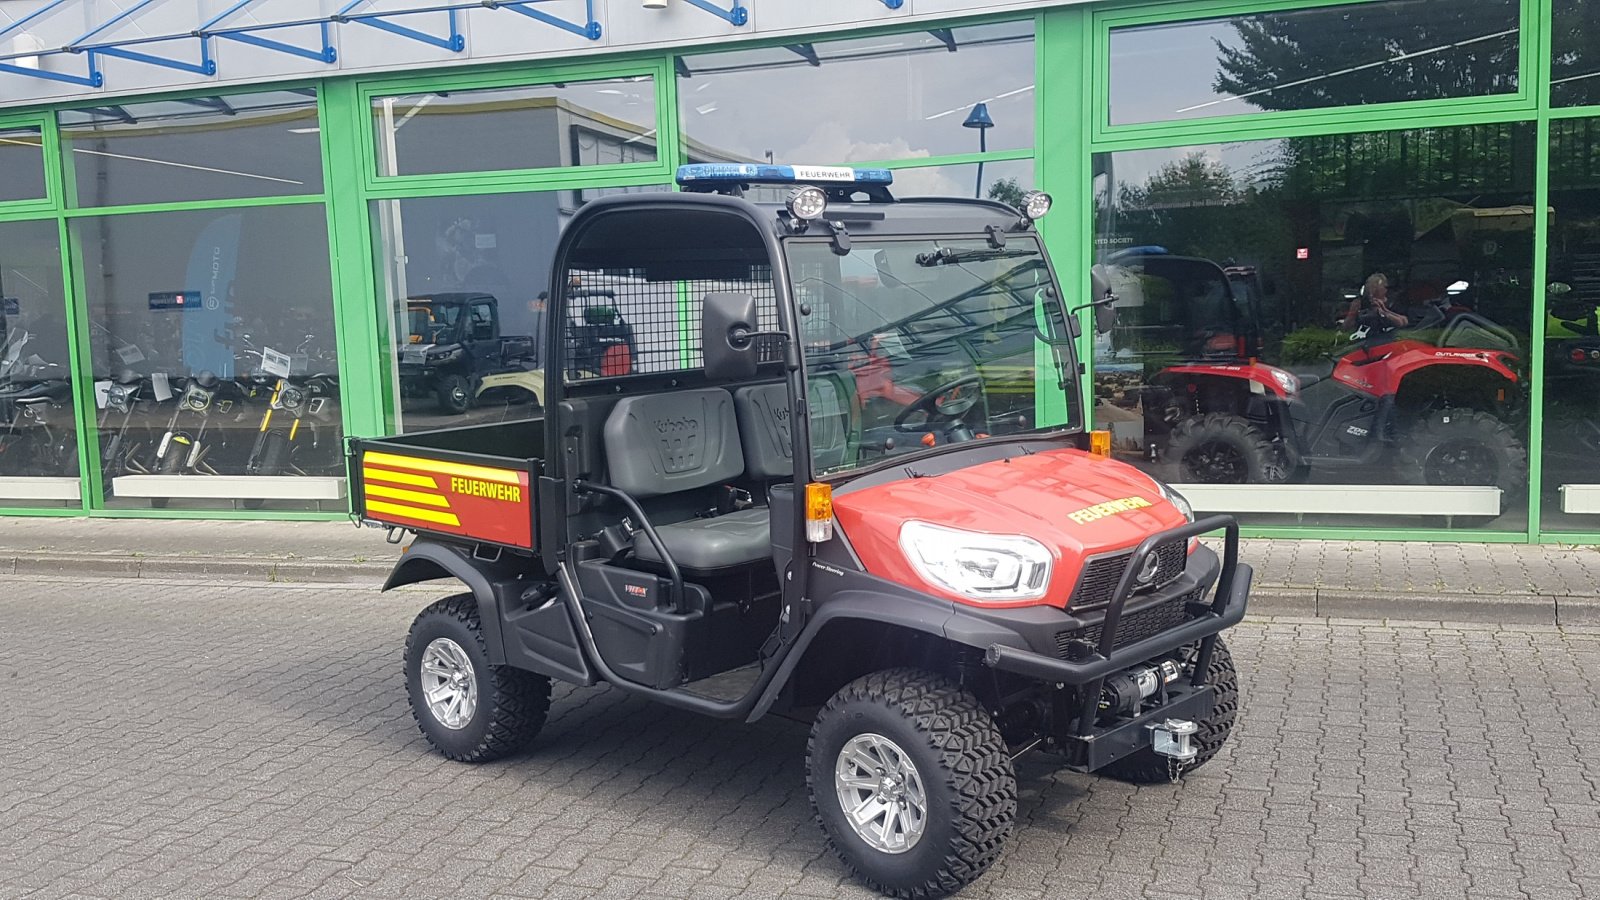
(1436, 397)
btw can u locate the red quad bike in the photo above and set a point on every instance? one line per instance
(1435, 397)
(937, 586)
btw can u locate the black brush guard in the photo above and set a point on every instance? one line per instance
(1089, 670)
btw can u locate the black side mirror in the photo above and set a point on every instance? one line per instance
(727, 335)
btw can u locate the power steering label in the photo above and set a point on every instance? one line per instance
(1109, 508)
(483, 502)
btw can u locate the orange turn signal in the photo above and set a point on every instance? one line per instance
(819, 512)
(1100, 443)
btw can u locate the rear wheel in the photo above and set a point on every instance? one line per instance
(911, 783)
(1461, 447)
(171, 464)
(468, 709)
(1218, 448)
(272, 461)
(1149, 767)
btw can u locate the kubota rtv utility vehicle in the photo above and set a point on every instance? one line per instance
(937, 588)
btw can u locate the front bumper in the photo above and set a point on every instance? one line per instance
(1225, 609)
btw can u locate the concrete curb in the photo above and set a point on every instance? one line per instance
(106, 566)
(1265, 600)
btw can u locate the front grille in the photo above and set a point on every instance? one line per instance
(1100, 577)
(1135, 626)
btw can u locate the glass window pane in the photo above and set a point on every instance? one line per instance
(204, 148)
(21, 164)
(1349, 55)
(38, 441)
(1575, 47)
(1349, 310)
(215, 359)
(579, 123)
(1571, 500)
(897, 96)
(465, 310)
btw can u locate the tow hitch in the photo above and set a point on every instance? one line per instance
(1171, 739)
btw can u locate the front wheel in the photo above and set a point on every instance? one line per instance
(1146, 766)
(454, 394)
(911, 783)
(468, 709)
(1217, 448)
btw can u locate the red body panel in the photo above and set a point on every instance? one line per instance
(1031, 495)
(1380, 370)
(1257, 372)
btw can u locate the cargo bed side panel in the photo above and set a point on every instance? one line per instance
(429, 491)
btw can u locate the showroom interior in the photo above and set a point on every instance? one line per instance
(213, 272)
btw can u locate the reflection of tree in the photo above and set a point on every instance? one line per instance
(1007, 191)
(1380, 53)
(1575, 56)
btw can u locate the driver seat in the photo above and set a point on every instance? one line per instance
(682, 443)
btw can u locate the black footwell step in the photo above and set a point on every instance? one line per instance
(730, 685)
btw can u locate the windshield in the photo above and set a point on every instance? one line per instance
(431, 323)
(913, 344)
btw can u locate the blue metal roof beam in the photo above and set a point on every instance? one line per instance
(590, 29)
(119, 49)
(738, 15)
(93, 79)
(455, 42)
(246, 34)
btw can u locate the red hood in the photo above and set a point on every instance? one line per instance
(1033, 495)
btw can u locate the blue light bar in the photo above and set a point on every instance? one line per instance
(751, 173)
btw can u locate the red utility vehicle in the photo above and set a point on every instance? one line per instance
(939, 577)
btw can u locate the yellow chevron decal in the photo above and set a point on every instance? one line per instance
(417, 497)
(412, 512)
(410, 478)
(505, 476)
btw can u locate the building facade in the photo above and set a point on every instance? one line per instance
(1355, 246)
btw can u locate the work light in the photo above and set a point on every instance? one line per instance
(807, 203)
(1035, 204)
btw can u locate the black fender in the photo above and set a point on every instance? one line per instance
(495, 584)
(870, 600)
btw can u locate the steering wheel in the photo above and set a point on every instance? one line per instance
(950, 401)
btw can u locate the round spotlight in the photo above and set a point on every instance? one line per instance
(1035, 204)
(807, 203)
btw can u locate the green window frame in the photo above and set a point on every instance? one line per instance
(51, 199)
(1531, 51)
(655, 68)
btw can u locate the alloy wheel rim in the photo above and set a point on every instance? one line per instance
(1462, 463)
(449, 684)
(1216, 463)
(881, 793)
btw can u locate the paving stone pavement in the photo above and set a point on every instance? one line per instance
(210, 739)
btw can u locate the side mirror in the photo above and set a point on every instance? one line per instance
(1105, 314)
(727, 336)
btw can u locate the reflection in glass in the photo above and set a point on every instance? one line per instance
(1575, 53)
(1349, 309)
(1347, 55)
(201, 148)
(21, 164)
(466, 309)
(38, 443)
(1571, 498)
(575, 123)
(212, 358)
(934, 341)
(896, 96)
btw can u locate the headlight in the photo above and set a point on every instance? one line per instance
(1175, 498)
(291, 398)
(807, 203)
(117, 397)
(1285, 380)
(443, 356)
(977, 565)
(1035, 205)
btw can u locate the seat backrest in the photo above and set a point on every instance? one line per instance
(665, 443)
(764, 428)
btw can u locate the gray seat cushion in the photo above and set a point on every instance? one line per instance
(735, 539)
(664, 443)
(764, 430)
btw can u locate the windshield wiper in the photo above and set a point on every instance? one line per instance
(945, 256)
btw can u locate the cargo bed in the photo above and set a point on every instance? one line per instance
(474, 483)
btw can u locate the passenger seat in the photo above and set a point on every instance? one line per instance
(661, 444)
